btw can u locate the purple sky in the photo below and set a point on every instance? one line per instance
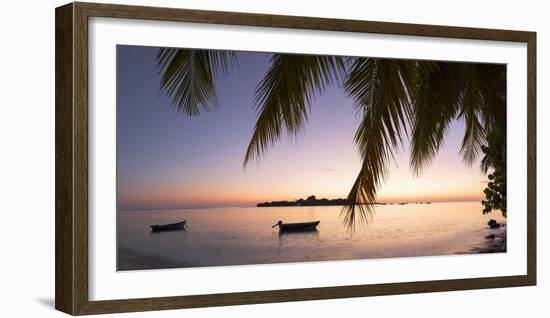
(167, 159)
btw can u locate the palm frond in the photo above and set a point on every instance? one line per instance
(435, 100)
(492, 85)
(380, 89)
(188, 77)
(284, 95)
(471, 105)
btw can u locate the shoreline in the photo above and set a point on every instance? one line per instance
(494, 242)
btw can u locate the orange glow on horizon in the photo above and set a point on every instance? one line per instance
(174, 197)
(276, 180)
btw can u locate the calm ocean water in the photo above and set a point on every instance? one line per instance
(237, 236)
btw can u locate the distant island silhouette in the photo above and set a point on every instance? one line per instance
(310, 201)
(313, 201)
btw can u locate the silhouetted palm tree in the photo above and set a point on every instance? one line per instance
(397, 99)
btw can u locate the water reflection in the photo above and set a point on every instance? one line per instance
(167, 232)
(297, 238)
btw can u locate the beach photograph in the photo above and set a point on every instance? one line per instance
(229, 158)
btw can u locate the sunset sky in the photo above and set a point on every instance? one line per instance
(167, 159)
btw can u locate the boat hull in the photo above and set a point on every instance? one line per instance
(299, 227)
(168, 227)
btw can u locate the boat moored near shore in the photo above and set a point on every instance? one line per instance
(297, 227)
(169, 227)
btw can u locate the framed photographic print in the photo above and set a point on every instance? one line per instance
(218, 158)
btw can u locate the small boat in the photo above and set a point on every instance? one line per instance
(169, 227)
(297, 227)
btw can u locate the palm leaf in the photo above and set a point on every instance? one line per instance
(380, 89)
(284, 95)
(435, 101)
(472, 102)
(188, 77)
(492, 84)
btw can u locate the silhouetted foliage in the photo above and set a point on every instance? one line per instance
(495, 158)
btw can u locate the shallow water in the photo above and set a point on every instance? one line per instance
(237, 236)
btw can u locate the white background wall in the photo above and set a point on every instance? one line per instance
(27, 157)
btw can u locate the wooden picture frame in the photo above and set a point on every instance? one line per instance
(71, 90)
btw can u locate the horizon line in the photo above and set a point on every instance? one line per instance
(254, 206)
